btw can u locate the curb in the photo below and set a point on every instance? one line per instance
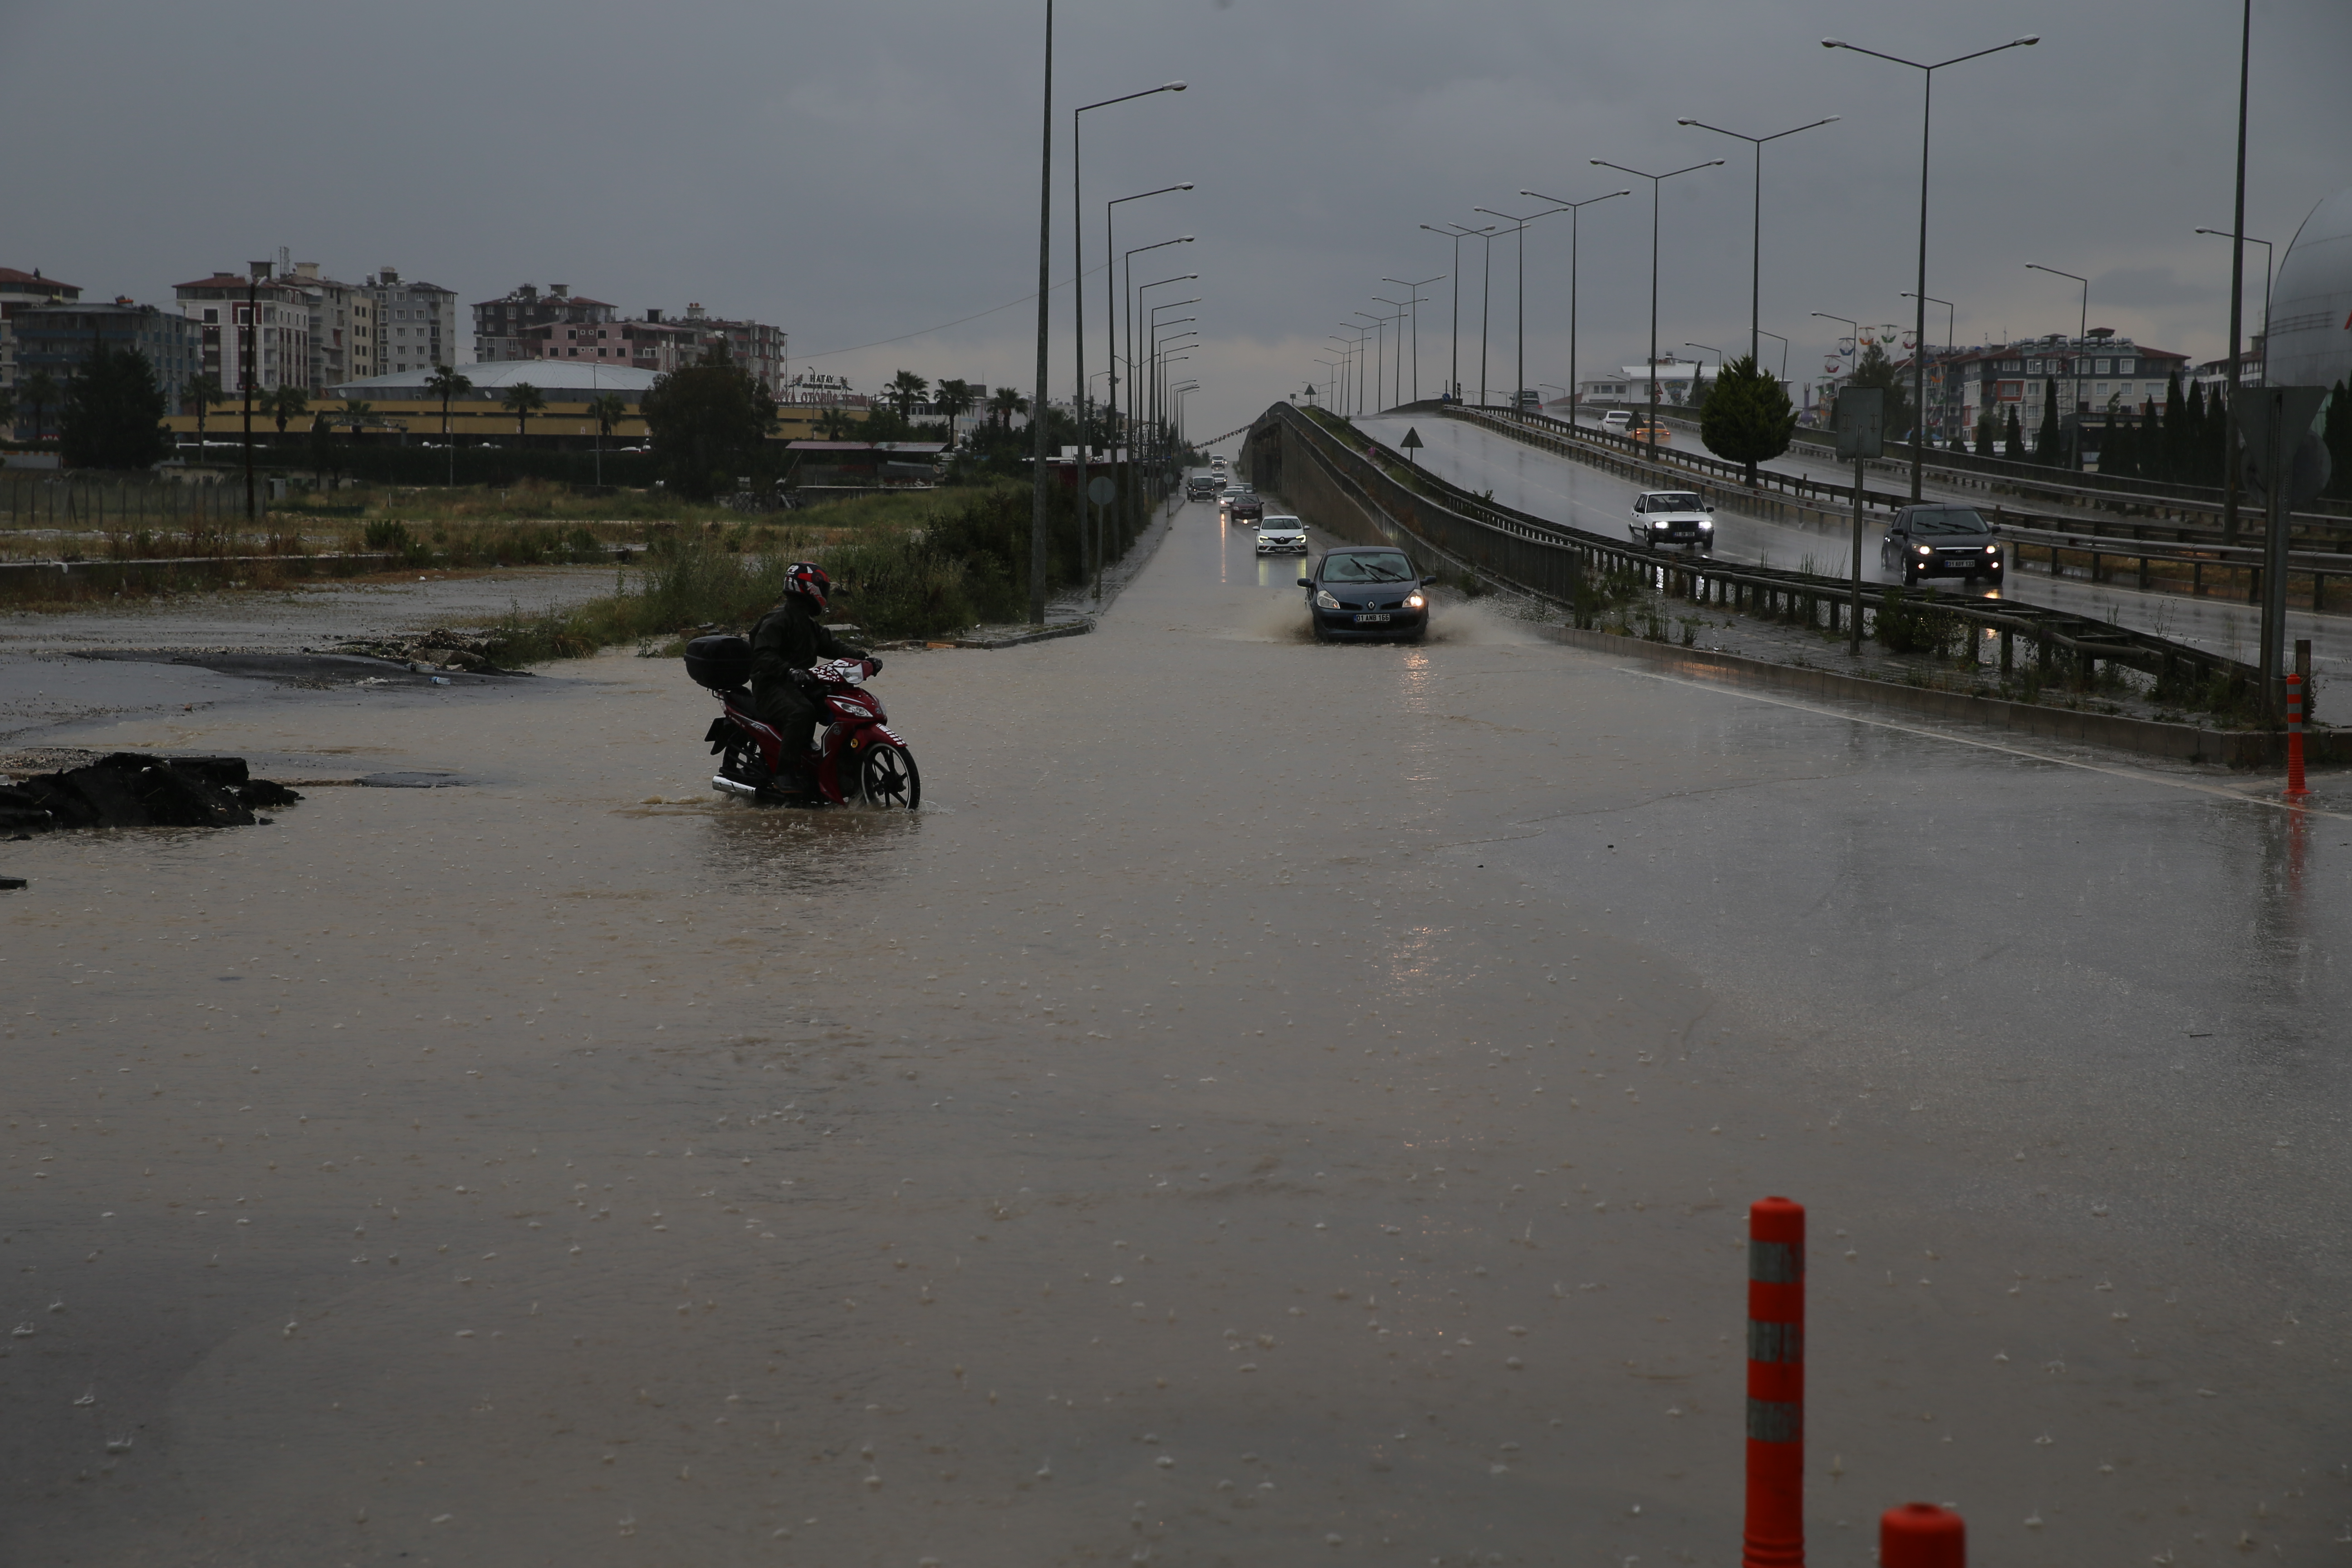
(1065, 629)
(2241, 748)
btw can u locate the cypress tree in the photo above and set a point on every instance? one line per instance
(1745, 416)
(2173, 462)
(2192, 437)
(2049, 442)
(113, 416)
(1988, 432)
(2013, 437)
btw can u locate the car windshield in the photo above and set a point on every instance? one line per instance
(1386, 567)
(1675, 500)
(1281, 525)
(1948, 519)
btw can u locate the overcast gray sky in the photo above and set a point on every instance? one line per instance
(855, 173)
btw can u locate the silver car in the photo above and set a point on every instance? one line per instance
(1665, 519)
(1281, 535)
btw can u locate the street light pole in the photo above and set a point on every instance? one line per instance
(1456, 234)
(2073, 361)
(1856, 340)
(1044, 321)
(1656, 181)
(1413, 292)
(1136, 364)
(255, 273)
(1755, 238)
(2268, 257)
(1079, 308)
(1784, 355)
(1122, 473)
(2237, 293)
(1952, 334)
(1927, 107)
(1380, 362)
(1519, 311)
(1396, 368)
(1575, 217)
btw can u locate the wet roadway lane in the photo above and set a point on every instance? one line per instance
(1277, 1101)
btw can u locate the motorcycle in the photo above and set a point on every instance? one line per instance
(853, 756)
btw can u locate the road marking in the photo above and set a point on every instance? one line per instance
(2134, 774)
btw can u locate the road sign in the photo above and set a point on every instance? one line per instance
(2304, 455)
(1100, 490)
(1860, 421)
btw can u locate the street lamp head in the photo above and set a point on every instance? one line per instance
(1173, 86)
(1678, 122)
(2026, 42)
(1832, 43)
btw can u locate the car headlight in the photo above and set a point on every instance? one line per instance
(1324, 601)
(1659, 527)
(1992, 549)
(1925, 550)
(1414, 602)
(1706, 525)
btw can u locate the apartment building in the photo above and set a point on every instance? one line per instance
(59, 339)
(507, 327)
(259, 331)
(415, 324)
(21, 290)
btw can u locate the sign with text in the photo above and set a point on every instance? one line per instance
(1861, 422)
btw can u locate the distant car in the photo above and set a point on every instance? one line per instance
(1642, 428)
(1217, 463)
(1246, 507)
(1281, 535)
(1528, 401)
(1616, 419)
(1199, 485)
(1366, 591)
(1940, 541)
(1228, 495)
(1664, 518)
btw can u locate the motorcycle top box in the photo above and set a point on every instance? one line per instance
(720, 663)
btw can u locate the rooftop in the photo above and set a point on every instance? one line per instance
(550, 375)
(12, 279)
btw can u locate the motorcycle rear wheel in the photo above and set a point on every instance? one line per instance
(888, 778)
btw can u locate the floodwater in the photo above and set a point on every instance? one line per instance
(1276, 1104)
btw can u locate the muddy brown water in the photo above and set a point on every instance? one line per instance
(1276, 1104)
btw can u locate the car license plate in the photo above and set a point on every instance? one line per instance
(1367, 620)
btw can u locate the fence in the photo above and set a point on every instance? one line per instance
(1551, 559)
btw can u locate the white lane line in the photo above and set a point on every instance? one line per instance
(2134, 774)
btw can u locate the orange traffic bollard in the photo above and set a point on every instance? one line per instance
(1921, 1535)
(1775, 1535)
(2294, 784)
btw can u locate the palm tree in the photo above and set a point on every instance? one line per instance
(607, 410)
(953, 398)
(39, 392)
(204, 391)
(1007, 403)
(355, 413)
(833, 425)
(906, 390)
(283, 402)
(522, 400)
(445, 384)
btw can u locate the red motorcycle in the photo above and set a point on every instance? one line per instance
(856, 755)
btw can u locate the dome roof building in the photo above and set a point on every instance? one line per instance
(2310, 340)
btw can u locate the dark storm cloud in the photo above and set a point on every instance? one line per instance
(859, 173)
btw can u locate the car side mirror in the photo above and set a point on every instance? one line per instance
(1307, 581)
(1425, 582)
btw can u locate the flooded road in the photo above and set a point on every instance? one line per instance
(1276, 1104)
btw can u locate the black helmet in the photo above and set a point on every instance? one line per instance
(808, 578)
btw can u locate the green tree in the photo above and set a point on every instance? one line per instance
(2118, 447)
(112, 415)
(1988, 432)
(836, 425)
(906, 390)
(1746, 416)
(711, 420)
(2172, 456)
(2012, 437)
(955, 398)
(522, 400)
(1005, 404)
(355, 413)
(39, 392)
(608, 411)
(204, 391)
(1876, 370)
(282, 402)
(446, 385)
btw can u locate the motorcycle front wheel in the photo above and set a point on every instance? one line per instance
(888, 778)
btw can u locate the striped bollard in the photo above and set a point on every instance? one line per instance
(2294, 784)
(1774, 1535)
(1921, 1535)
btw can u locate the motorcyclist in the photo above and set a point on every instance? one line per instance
(788, 640)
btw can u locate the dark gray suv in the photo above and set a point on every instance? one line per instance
(1940, 541)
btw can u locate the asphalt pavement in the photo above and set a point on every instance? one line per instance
(1560, 488)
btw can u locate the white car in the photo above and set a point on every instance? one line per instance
(1616, 420)
(1666, 518)
(1280, 535)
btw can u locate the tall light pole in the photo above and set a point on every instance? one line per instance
(1927, 107)
(1135, 363)
(1519, 311)
(1111, 338)
(1856, 339)
(2268, 256)
(1154, 325)
(1951, 332)
(1755, 237)
(1656, 181)
(1413, 292)
(1575, 215)
(1079, 305)
(1341, 399)
(1380, 349)
(1333, 366)
(2073, 361)
(1784, 355)
(2237, 296)
(1038, 421)
(1456, 234)
(1396, 366)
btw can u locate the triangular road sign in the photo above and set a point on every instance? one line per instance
(1411, 437)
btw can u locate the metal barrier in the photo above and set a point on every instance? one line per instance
(1550, 560)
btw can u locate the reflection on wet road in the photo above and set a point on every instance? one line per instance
(1283, 1100)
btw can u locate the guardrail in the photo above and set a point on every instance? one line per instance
(1551, 559)
(2063, 543)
